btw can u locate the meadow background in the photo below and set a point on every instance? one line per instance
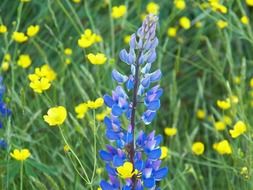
(207, 61)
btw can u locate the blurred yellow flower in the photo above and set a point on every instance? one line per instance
(7, 57)
(32, 30)
(67, 61)
(222, 24)
(19, 37)
(237, 79)
(201, 114)
(198, 148)
(118, 11)
(239, 128)
(251, 83)
(198, 24)
(97, 59)
(170, 131)
(234, 99)
(46, 71)
(249, 2)
(76, 1)
(219, 125)
(81, 110)
(222, 147)
(24, 61)
(180, 4)
(224, 104)
(185, 22)
(5, 66)
(99, 171)
(216, 6)
(25, 1)
(101, 116)
(227, 120)
(164, 152)
(245, 20)
(68, 51)
(88, 38)
(55, 116)
(66, 148)
(152, 8)
(95, 104)
(20, 155)
(172, 32)
(3, 29)
(127, 39)
(39, 85)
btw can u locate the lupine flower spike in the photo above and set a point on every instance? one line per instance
(133, 161)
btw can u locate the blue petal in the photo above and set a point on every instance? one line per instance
(148, 117)
(149, 183)
(155, 76)
(108, 122)
(117, 161)
(116, 110)
(126, 187)
(139, 165)
(111, 135)
(117, 76)
(110, 170)
(158, 140)
(130, 83)
(152, 57)
(132, 42)
(106, 156)
(108, 100)
(155, 154)
(155, 105)
(123, 55)
(105, 185)
(145, 82)
(161, 173)
(146, 68)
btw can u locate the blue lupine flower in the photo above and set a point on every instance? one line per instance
(142, 152)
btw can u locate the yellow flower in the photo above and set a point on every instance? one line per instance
(227, 120)
(216, 6)
(3, 29)
(76, 1)
(185, 22)
(179, 4)
(224, 104)
(219, 125)
(172, 32)
(39, 85)
(222, 147)
(99, 188)
(245, 20)
(251, 83)
(234, 99)
(46, 71)
(81, 110)
(25, 1)
(68, 51)
(118, 11)
(95, 104)
(24, 60)
(249, 2)
(239, 128)
(66, 148)
(201, 114)
(19, 37)
(32, 30)
(127, 39)
(20, 155)
(198, 148)
(164, 151)
(170, 131)
(99, 171)
(198, 24)
(97, 59)
(88, 38)
(222, 24)
(152, 8)
(126, 171)
(5, 66)
(101, 116)
(67, 61)
(237, 79)
(7, 57)
(55, 116)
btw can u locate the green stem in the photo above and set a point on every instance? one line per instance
(95, 146)
(21, 175)
(112, 30)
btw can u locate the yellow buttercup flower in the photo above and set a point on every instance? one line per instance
(201, 114)
(239, 129)
(164, 152)
(76, 1)
(5, 66)
(172, 32)
(3, 29)
(67, 61)
(185, 22)
(222, 147)
(198, 24)
(24, 60)
(88, 38)
(118, 11)
(19, 37)
(251, 83)
(170, 131)
(127, 39)
(180, 4)
(249, 2)
(245, 20)
(220, 125)
(237, 79)
(224, 104)
(68, 51)
(7, 57)
(227, 120)
(101, 116)
(56, 116)
(95, 104)
(81, 110)
(198, 148)
(99, 188)
(99, 171)
(222, 24)
(20, 155)
(152, 8)
(33, 30)
(97, 59)
(47, 72)
(126, 171)
(39, 85)
(216, 6)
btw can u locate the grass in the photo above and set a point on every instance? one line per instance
(199, 66)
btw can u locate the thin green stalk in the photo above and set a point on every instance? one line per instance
(21, 175)
(95, 146)
(112, 29)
